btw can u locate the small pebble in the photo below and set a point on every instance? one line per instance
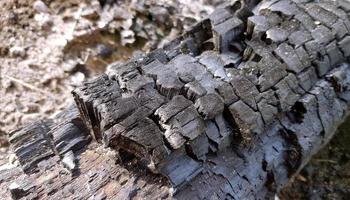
(77, 78)
(69, 160)
(17, 52)
(104, 51)
(40, 7)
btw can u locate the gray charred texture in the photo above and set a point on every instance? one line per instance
(232, 120)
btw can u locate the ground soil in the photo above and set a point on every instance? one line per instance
(45, 51)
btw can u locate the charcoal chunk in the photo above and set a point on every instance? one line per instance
(322, 35)
(322, 65)
(195, 90)
(246, 90)
(298, 38)
(334, 54)
(289, 56)
(277, 34)
(200, 147)
(225, 32)
(179, 168)
(307, 78)
(226, 91)
(176, 105)
(322, 15)
(287, 93)
(209, 106)
(344, 45)
(247, 120)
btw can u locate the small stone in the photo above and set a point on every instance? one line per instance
(69, 161)
(40, 7)
(104, 51)
(44, 20)
(17, 51)
(78, 78)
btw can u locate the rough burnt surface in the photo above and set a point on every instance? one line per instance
(229, 110)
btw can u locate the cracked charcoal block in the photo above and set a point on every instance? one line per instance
(153, 69)
(31, 144)
(209, 106)
(188, 122)
(174, 138)
(257, 24)
(176, 105)
(184, 124)
(286, 95)
(246, 119)
(225, 131)
(139, 82)
(139, 140)
(213, 134)
(200, 31)
(227, 93)
(277, 34)
(298, 38)
(322, 15)
(339, 29)
(269, 97)
(292, 82)
(322, 35)
(209, 83)
(159, 55)
(200, 147)
(344, 45)
(219, 15)
(118, 69)
(314, 49)
(256, 116)
(245, 90)
(115, 110)
(169, 84)
(194, 90)
(271, 76)
(303, 56)
(323, 65)
(68, 136)
(267, 111)
(307, 78)
(334, 54)
(180, 167)
(214, 64)
(99, 90)
(305, 20)
(330, 108)
(289, 56)
(291, 25)
(345, 5)
(225, 32)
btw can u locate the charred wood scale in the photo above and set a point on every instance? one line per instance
(231, 109)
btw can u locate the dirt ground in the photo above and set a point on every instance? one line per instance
(47, 47)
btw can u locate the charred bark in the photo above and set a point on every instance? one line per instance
(232, 109)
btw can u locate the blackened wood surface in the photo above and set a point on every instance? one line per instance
(232, 109)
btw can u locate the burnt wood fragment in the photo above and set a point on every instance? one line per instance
(236, 121)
